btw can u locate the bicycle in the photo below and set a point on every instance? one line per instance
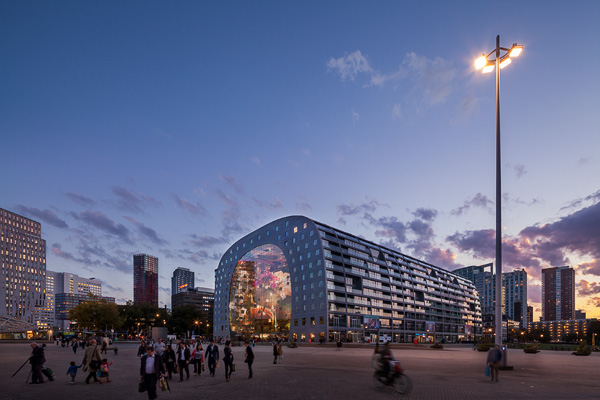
(396, 378)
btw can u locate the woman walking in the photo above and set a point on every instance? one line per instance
(227, 360)
(92, 359)
(198, 359)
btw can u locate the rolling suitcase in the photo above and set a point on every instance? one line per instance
(48, 373)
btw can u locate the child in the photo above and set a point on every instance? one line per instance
(104, 370)
(73, 371)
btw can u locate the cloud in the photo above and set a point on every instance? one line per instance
(146, 232)
(350, 209)
(585, 288)
(397, 111)
(81, 200)
(302, 205)
(594, 301)
(205, 241)
(58, 251)
(349, 65)
(426, 214)
(579, 202)
(519, 170)
(232, 182)
(479, 200)
(355, 117)
(129, 201)
(479, 243)
(578, 233)
(195, 209)
(256, 161)
(435, 76)
(47, 216)
(276, 205)
(100, 221)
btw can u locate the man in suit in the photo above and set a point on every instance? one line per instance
(212, 354)
(183, 360)
(151, 369)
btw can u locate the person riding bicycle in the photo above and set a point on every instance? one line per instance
(386, 360)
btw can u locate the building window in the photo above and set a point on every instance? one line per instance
(296, 321)
(312, 320)
(303, 321)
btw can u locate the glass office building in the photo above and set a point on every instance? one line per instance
(302, 279)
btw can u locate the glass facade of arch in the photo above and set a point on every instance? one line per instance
(260, 298)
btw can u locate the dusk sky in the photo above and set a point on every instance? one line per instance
(176, 128)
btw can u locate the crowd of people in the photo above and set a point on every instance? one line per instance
(160, 360)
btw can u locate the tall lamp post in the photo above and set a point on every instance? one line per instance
(499, 58)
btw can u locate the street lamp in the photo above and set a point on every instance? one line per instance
(197, 329)
(486, 64)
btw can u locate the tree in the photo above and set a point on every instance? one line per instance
(94, 314)
(183, 319)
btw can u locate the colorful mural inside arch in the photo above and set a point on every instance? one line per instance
(260, 298)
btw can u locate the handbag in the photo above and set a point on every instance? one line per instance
(202, 367)
(94, 364)
(142, 387)
(232, 367)
(487, 370)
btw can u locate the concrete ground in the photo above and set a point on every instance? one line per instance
(314, 372)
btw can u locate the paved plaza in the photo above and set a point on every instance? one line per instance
(319, 372)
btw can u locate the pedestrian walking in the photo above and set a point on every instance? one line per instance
(74, 345)
(280, 352)
(104, 370)
(183, 361)
(92, 360)
(169, 359)
(159, 348)
(198, 359)
(212, 354)
(142, 349)
(494, 356)
(249, 359)
(228, 360)
(73, 371)
(275, 353)
(37, 360)
(152, 369)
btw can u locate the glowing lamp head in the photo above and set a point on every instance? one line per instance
(515, 50)
(504, 63)
(488, 68)
(480, 62)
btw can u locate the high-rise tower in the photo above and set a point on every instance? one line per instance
(182, 280)
(145, 279)
(23, 266)
(558, 293)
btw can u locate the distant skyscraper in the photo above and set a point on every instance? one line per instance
(59, 288)
(145, 279)
(515, 296)
(482, 278)
(580, 314)
(23, 261)
(530, 314)
(182, 280)
(558, 293)
(201, 298)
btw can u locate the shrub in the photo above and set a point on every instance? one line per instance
(531, 348)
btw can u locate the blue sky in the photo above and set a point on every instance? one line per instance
(176, 128)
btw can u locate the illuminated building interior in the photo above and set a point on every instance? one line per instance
(260, 296)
